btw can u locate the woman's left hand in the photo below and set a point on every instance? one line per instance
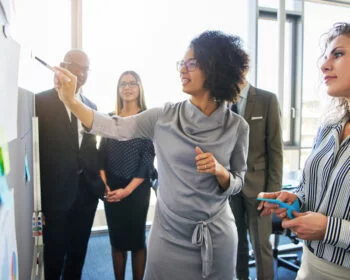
(116, 195)
(308, 225)
(206, 162)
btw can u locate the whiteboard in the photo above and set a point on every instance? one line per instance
(9, 61)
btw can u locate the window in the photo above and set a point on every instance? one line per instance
(267, 70)
(149, 37)
(303, 97)
(289, 4)
(44, 32)
(267, 66)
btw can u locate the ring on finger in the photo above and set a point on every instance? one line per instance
(205, 166)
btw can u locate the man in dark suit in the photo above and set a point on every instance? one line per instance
(261, 110)
(70, 182)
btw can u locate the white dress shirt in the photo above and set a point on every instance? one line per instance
(242, 101)
(80, 126)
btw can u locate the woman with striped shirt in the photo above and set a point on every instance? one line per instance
(324, 191)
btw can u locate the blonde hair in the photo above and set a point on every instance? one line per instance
(141, 99)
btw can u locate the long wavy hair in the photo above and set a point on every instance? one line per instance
(340, 106)
(141, 99)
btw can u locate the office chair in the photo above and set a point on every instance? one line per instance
(289, 261)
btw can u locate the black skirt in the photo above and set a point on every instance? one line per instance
(127, 219)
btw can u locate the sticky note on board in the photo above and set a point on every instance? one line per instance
(4, 155)
(2, 166)
(2, 140)
(4, 160)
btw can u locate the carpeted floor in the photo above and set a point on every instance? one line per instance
(98, 262)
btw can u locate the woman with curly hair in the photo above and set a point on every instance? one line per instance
(324, 190)
(201, 149)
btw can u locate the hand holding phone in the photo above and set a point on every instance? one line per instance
(295, 206)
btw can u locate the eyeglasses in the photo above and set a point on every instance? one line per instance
(190, 64)
(130, 84)
(75, 67)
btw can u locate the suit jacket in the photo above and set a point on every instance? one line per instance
(62, 162)
(265, 159)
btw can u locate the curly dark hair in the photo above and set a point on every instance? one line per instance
(222, 59)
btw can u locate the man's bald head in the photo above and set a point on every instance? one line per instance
(77, 56)
(77, 62)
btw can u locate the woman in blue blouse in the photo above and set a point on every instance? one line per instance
(324, 191)
(127, 168)
(201, 151)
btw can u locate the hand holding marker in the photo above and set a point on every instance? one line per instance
(50, 67)
(295, 206)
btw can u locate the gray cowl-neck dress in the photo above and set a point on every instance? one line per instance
(193, 235)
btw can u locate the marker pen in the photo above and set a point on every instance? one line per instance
(50, 67)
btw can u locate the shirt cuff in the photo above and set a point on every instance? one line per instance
(97, 122)
(235, 186)
(301, 201)
(337, 233)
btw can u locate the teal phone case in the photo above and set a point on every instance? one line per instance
(295, 206)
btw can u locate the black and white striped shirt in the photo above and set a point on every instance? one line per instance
(325, 188)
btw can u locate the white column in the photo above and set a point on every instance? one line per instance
(77, 24)
(281, 18)
(253, 17)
